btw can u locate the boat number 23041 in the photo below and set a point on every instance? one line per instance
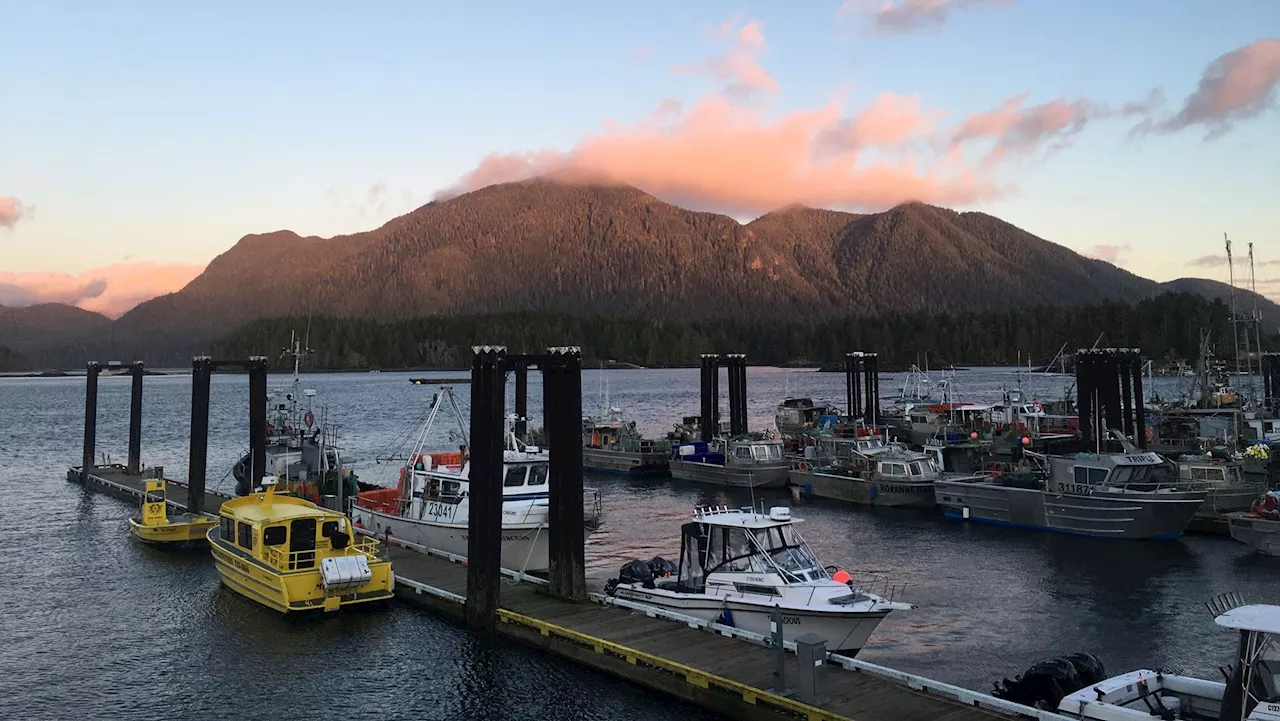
(436, 508)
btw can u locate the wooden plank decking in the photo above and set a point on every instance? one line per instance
(114, 481)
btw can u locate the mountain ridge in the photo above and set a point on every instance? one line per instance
(615, 250)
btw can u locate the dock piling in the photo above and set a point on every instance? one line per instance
(708, 422)
(257, 419)
(736, 363)
(1109, 394)
(201, 372)
(779, 651)
(562, 404)
(90, 418)
(522, 403)
(484, 517)
(134, 466)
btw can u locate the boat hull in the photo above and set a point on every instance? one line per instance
(1260, 534)
(1120, 516)
(1221, 501)
(845, 633)
(759, 476)
(524, 546)
(180, 533)
(632, 463)
(292, 591)
(860, 490)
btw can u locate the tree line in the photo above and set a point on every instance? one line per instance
(1165, 327)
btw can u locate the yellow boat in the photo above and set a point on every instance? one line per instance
(289, 554)
(157, 527)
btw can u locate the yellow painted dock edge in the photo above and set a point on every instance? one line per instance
(696, 677)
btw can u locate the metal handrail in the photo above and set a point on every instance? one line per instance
(282, 559)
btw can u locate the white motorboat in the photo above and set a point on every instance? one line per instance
(1251, 691)
(737, 566)
(430, 504)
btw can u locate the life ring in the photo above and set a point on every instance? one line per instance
(804, 466)
(1151, 435)
(308, 419)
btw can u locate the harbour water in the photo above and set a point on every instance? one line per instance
(94, 624)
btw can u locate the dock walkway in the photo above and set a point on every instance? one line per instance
(723, 669)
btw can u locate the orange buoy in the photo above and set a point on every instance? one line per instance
(842, 576)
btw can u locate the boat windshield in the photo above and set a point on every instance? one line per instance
(787, 549)
(1266, 671)
(155, 496)
(1143, 478)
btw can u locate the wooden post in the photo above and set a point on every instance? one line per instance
(1140, 403)
(257, 420)
(562, 404)
(201, 370)
(90, 419)
(709, 398)
(522, 403)
(135, 420)
(484, 517)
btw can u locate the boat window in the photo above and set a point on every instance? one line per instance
(515, 476)
(155, 496)
(450, 488)
(786, 548)
(760, 452)
(274, 535)
(893, 469)
(1199, 473)
(775, 452)
(328, 528)
(1094, 476)
(227, 529)
(537, 475)
(302, 543)
(918, 468)
(244, 535)
(742, 452)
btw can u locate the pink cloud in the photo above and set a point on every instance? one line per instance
(1238, 85)
(110, 290)
(1113, 254)
(1208, 261)
(899, 16)
(888, 121)
(1016, 128)
(739, 67)
(11, 211)
(641, 52)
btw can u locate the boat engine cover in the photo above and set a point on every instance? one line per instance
(341, 572)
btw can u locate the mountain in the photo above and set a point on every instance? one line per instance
(1217, 290)
(46, 324)
(615, 250)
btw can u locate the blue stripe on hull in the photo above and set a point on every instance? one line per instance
(954, 515)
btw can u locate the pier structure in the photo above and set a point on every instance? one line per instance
(725, 669)
(561, 369)
(202, 368)
(92, 371)
(736, 364)
(1109, 392)
(862, 386)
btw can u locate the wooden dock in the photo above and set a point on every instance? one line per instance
(722, 669)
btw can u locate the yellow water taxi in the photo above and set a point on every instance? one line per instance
(289, 554)
(157, 527)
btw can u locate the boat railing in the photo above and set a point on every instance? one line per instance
(286, 560)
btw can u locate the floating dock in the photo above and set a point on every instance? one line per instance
(726, 670)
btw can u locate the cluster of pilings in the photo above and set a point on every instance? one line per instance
(202, 369)
(1270, 369)
(92, 370)
(1109, 394)
(862, 386)
(562, 415)
(736, 363)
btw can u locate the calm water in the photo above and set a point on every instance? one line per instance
(93, 623)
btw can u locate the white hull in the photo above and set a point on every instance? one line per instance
(524, 545)
(846, 632)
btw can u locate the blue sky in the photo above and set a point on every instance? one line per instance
(163, 131)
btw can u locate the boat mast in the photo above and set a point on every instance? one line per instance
(1256, 322)
(1235, 320)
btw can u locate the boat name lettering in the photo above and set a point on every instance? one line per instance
(890, 488)
(790, 620)
(756, 579)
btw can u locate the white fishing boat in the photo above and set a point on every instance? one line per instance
(430, 504)
(737, 566)
(1251, 691)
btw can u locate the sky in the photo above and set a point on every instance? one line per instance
(139, 140)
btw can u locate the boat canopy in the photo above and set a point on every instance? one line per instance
(1260, 618)
(744, 542)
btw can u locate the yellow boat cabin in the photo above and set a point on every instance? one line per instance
(289, 554)
(154, 525)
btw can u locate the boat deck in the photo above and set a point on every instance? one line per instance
(729, 675)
